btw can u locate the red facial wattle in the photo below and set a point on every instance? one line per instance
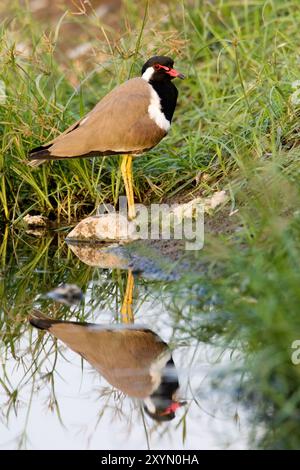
(172, 72)
(172, 408)
(175, 73)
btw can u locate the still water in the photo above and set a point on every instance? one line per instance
(52, 398)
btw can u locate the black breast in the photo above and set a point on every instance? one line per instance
(168, 94)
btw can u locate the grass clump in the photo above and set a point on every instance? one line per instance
(236, 127)
(247, 301)
(235, 105)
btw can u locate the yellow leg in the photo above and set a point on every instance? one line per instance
(126, 309)
(126, 169)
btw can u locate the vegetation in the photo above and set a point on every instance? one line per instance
(234, 107)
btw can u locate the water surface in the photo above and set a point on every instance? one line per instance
(53, 399)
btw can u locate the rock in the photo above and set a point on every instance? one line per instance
(106, 258)
(106, 227)
(68, 294)
(192, 208)
(216, 200)
(149, 223)
(35, 220)
(144, 261)
(38, 232)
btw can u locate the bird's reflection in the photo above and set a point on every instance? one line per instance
(131, 358)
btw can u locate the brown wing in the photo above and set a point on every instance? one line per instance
(122, 356)
(119, 123)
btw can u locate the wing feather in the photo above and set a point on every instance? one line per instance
(119, 123)
(122, 356)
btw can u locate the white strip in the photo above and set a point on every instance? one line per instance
(150, 405)
(148, 74)
(157, 367)
(156, 113)
(84, 120)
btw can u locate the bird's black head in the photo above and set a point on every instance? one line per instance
(160, 68)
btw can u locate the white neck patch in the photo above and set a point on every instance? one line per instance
(155, 112)
(157, 367)
(155, 372)
(150, 405)
(154, 108)
(148, 74)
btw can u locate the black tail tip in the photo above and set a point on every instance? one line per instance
(39, 320)
(39, 152)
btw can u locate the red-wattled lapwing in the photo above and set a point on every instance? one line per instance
(133, 359)
(130, 120)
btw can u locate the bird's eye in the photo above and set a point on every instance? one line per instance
(156, 66)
